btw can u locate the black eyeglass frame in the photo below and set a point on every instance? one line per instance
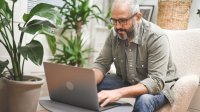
(121, 21)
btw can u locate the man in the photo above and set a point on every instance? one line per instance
(141, 54)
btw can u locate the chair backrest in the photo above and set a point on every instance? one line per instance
(185, 47)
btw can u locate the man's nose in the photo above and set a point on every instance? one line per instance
(118, 25)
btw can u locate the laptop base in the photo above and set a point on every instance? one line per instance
(53, 106)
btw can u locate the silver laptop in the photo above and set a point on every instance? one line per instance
(73, 87)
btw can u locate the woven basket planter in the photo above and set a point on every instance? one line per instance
(173, 14)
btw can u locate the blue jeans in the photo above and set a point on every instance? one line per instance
(143, 103)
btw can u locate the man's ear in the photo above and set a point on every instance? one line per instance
(138, 16)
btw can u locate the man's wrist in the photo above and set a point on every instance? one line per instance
(121, 92)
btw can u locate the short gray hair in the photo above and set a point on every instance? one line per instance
(132, 4)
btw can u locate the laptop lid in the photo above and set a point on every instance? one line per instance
(72, 85)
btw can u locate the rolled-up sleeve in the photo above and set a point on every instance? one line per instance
(158, 59)
(105, 59)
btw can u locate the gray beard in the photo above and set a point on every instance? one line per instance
(122, 38)
(129, 34)
(134, 31)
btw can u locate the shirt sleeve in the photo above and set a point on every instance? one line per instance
(158, 59)
(105, 59)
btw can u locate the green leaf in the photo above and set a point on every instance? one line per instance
(5, 10)
(37, 26)
(42, 27)
(3, 65)
(39, 10)
(51, 14)
(33, 51)
(4, 22)
(95, 6)
(52, 43)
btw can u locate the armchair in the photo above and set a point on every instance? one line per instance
(185, 46)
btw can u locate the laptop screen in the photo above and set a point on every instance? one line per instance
(71, 85)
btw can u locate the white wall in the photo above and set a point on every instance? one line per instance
(194, 20)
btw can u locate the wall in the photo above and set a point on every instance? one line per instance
(194, 19)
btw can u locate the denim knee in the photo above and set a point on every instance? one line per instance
(144, 103)
(149, 103)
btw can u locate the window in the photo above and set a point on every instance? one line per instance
(32, 3)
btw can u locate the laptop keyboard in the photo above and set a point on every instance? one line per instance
(112, 105)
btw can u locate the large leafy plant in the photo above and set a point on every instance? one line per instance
(76, 13)
(33, 50)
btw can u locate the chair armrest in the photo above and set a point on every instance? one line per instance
(184, 90)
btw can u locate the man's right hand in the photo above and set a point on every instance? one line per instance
(107, 96)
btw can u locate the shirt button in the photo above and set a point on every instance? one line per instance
(130, 50)
(131, 65)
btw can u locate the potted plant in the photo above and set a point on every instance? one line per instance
(70, 48)
(198, 12)
(20, 93)
(71, 51)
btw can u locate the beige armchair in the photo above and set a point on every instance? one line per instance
(185, 46)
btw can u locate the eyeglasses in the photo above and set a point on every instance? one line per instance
(121, 21)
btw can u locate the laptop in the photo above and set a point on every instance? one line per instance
(72, 89)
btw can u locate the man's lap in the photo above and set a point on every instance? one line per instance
(112, 81)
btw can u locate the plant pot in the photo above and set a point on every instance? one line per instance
(3, 94)
(21, 96)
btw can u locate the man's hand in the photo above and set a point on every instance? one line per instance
(106, 96)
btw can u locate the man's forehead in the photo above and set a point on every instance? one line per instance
(120, 12)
